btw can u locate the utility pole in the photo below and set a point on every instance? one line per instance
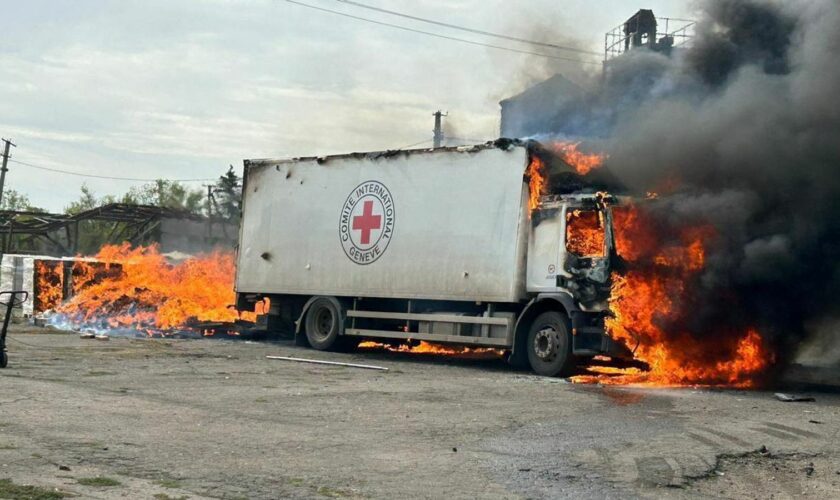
(438, 138)
(210, 200)
(210, 203)
(4, 169)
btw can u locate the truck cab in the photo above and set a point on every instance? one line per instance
(571, 249)
(571, 255)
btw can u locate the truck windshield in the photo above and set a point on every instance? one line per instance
(585, 234)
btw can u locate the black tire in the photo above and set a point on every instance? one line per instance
(346, 343)
(4, 359)
(324, 324)
(549, 345)
(518, 359)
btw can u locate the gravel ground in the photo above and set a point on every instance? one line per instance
(136, 418)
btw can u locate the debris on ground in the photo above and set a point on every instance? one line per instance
(332, 363)
(793, 398)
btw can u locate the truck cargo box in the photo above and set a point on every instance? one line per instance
(443, 224)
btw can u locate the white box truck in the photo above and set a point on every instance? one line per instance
(439, 245)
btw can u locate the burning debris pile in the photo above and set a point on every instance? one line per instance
(733, 263)
(142, 291)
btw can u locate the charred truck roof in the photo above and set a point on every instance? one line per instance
(563, 179)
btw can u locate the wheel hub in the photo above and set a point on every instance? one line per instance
(323, 323)
(546, 343)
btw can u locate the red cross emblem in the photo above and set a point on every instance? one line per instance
(367, 222)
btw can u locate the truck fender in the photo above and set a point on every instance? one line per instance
(540, 303)
(309, 302)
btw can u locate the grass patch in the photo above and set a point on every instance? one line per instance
(13, 491)
(164, 496)
(7, 447)
(49, 379)
(98, 374)
(168, 483)
(326, 491)
(98, 481)
(89, 444)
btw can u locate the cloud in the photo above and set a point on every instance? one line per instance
(179, 89)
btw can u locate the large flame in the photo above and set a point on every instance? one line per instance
(585, 233)
(648, 304)
(140, 289)
(583, 163)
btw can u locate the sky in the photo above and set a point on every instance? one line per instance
(180, 89)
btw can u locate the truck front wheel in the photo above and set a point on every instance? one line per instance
(323, 324)
(549, 346)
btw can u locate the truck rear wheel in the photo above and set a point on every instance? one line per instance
(324, 324)
(549, 346)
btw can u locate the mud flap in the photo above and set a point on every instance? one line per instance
(586, 334)
(589, 337)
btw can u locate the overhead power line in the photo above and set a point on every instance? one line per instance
(437, 35)
(471, 30)
(415, 144)
(81, 174)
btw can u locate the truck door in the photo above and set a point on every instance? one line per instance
(587, 251)
(544, 248)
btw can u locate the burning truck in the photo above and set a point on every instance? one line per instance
(509, 248)
(449, 245)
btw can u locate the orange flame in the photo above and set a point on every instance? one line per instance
(140, 289)
(583, 163)
(585, 233)
(50, 284)
(430, 348)
(649, 298)
(536, 181)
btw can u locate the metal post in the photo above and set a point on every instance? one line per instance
(438, 137)
(209, 226)
(75, 246)
(4, 169)
(209, 199)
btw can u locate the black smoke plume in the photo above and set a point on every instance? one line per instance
(746, 124)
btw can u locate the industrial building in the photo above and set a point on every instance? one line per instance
(558, 106)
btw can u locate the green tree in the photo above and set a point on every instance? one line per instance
(161, 193)
(16, 201)
(228, 193)
(86, 201)
(167, 194)
(92, 233)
